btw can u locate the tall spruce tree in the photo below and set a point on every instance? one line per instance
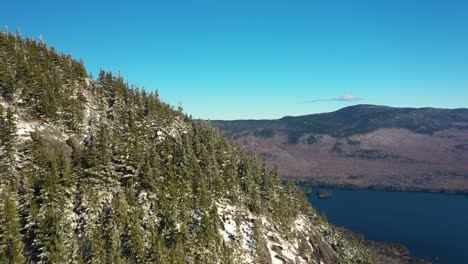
(11, 246)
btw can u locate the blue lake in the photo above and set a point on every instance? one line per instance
(433, 226)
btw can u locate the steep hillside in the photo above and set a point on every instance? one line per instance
(365, 146)
(97, 171)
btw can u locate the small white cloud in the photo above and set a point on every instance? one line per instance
(342, 98)
(346, 97)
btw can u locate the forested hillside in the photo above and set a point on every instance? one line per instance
(365, 146)
(99, 171)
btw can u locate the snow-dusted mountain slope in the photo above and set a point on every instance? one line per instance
(97, 171)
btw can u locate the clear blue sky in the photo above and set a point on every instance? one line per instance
(228, 59)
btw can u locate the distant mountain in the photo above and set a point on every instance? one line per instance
(364, 146)
(97, 171)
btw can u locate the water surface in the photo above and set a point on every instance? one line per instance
(433, 226)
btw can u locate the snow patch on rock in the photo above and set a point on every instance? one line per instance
(281, 249)
(238, 235)
(174, 130)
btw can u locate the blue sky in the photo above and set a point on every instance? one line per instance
(228, 59)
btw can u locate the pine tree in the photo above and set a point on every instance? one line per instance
(112, 222)
(11, 246)
(134, 243)
(7, 80)
(50, 234)
(257, 235)
(7, 149)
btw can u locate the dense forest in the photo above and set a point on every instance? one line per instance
(94, 170)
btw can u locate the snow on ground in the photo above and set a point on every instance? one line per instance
(280, 249)
(174, 130)
(25, 128)
(241, 235)
(90, 112)
(3, 104)
(88, 81)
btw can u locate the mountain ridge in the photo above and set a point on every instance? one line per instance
(343, 108)
(356, 112)
(364, 146)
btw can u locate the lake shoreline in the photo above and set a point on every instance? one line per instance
(432, 226)
(305, 185)
(385, 252)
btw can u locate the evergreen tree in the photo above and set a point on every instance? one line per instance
(11, 246)
(7, 149)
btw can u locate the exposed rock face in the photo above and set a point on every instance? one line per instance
(309, 240)
(365, 146)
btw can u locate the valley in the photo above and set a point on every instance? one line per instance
(364, 146)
